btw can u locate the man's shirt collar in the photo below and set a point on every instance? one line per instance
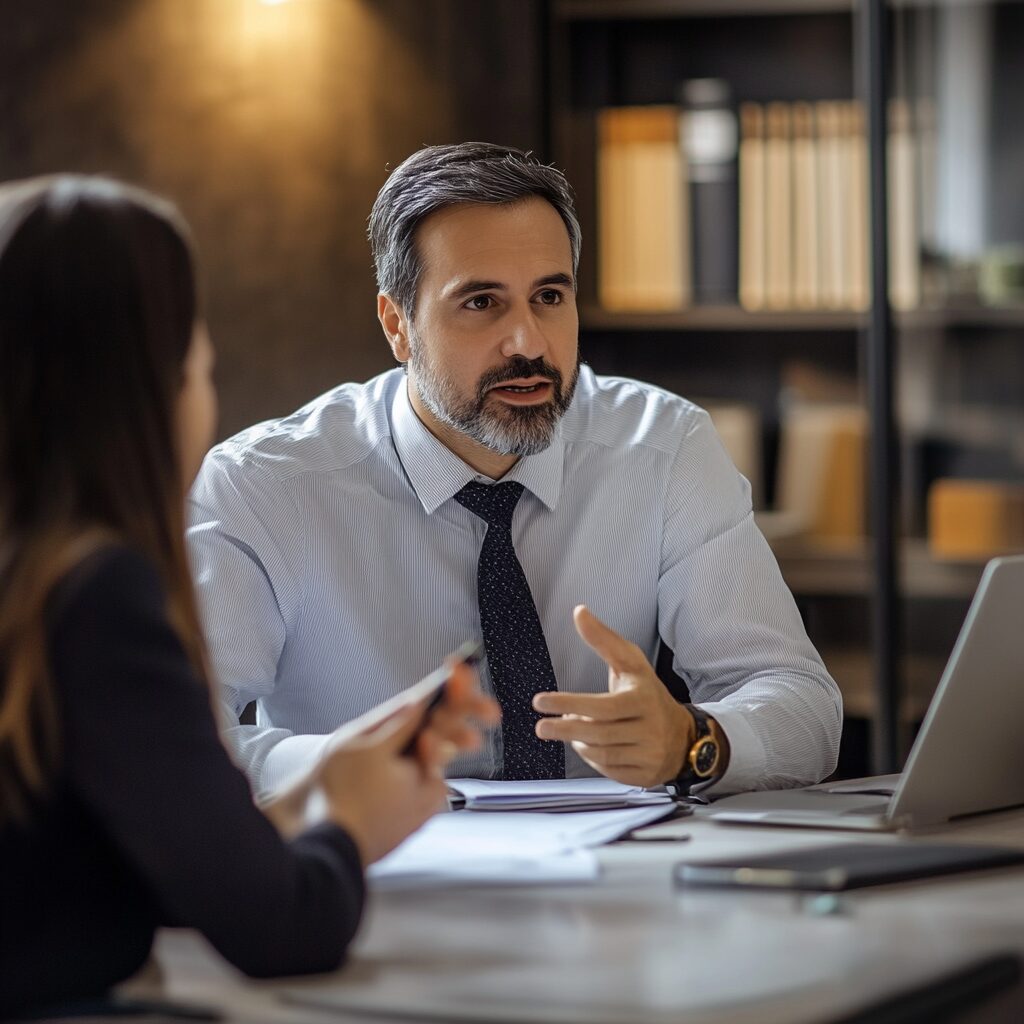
(437, 473)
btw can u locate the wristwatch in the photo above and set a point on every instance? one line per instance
(701, 762)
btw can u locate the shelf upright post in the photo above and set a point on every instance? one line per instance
(880, 369)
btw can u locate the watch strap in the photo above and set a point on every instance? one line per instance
(688, 776)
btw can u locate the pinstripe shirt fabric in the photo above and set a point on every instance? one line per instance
(335, 568)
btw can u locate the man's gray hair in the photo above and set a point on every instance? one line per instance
(440, 176)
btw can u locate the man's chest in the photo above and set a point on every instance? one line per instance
(391, 590)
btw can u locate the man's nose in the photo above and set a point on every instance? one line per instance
(524, 337)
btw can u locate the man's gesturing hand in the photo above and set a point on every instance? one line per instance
(635, 733)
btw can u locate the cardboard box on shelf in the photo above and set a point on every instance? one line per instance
(975, 519)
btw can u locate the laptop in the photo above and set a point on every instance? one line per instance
(969, 753)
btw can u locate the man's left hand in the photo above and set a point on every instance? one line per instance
(635, 733)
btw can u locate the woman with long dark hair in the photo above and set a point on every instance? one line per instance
(120, 810)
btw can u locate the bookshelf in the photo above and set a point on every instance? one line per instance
(608, 54)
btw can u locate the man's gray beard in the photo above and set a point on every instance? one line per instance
(515, 430)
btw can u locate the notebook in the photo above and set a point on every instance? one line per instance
(553, 795)
(849, 865)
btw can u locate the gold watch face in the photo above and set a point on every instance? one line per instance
(704, 757)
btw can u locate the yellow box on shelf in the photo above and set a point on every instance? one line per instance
(975, 519)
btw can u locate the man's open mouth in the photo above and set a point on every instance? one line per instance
(528, 386)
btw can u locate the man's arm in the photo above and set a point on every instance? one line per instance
(247, 549)
(738, 641)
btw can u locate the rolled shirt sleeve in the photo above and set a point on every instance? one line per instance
(735, 630)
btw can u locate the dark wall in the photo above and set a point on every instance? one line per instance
(272, 127)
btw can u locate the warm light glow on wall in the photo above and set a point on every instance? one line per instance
(272, 72)
(268, 30)
(276, 96)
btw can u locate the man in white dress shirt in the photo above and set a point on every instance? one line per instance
(489, 488)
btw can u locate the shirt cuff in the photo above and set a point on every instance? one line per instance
(289, 759)
(747, 758)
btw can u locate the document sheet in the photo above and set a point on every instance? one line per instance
(525, 848)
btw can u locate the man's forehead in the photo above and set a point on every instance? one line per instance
(469, 237)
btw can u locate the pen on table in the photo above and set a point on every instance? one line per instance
(639, 837)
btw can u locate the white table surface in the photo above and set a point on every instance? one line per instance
(632, 947)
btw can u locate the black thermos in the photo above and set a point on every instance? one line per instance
(710, 145)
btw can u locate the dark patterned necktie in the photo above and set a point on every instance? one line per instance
(517, 653)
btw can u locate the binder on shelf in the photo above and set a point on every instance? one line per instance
(752, 206)
(806, 225)
(904, 231)
(642, 214)
(779, 218)
(924, 129)
(855, 155)
(831, 199)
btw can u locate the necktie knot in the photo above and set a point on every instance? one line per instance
(493, 503)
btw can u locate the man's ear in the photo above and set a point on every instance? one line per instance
(396, 329)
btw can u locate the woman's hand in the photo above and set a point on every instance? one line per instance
(455, 719)
(380, 795)
(377, 794)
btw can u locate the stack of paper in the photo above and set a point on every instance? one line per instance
(554, 795)
(460, 847)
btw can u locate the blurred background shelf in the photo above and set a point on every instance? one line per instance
(817, 570)
(852, 670)
(735, 318)
(773, 372)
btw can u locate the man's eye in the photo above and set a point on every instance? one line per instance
(550, 297)
(480, 302)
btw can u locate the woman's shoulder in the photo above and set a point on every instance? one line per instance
(111, 639)
(109, 566)
(110, 577)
